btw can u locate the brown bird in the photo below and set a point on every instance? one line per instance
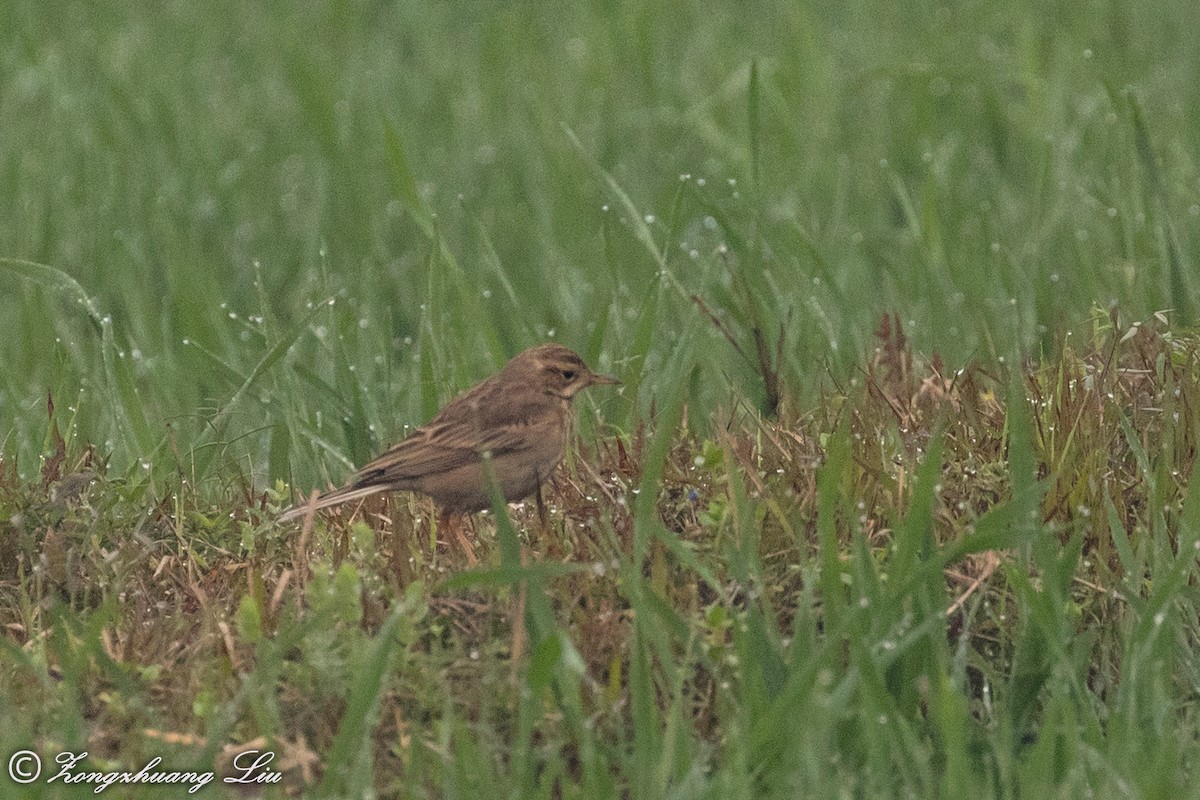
(520, 417)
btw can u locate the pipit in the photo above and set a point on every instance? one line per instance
(519, 418)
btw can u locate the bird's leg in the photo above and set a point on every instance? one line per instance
(453, 523)
(541, 506)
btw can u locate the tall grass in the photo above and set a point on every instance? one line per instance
(465, 183)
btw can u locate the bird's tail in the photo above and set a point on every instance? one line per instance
(333, 498)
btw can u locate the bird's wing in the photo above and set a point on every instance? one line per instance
(453, 439)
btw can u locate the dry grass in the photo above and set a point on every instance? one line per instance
(138, 624)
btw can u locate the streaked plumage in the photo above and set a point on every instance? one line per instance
(520, 416)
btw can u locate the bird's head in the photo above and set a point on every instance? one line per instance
(557, 369)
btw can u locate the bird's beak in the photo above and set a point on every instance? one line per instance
(607, 380)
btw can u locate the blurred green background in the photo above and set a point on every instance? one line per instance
(242, 242)
(184, 186)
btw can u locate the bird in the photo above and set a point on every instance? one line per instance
(518, 418)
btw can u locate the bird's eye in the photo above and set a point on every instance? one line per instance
(569, 374)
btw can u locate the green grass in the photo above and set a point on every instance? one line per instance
(209, 175)
(243, 245)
